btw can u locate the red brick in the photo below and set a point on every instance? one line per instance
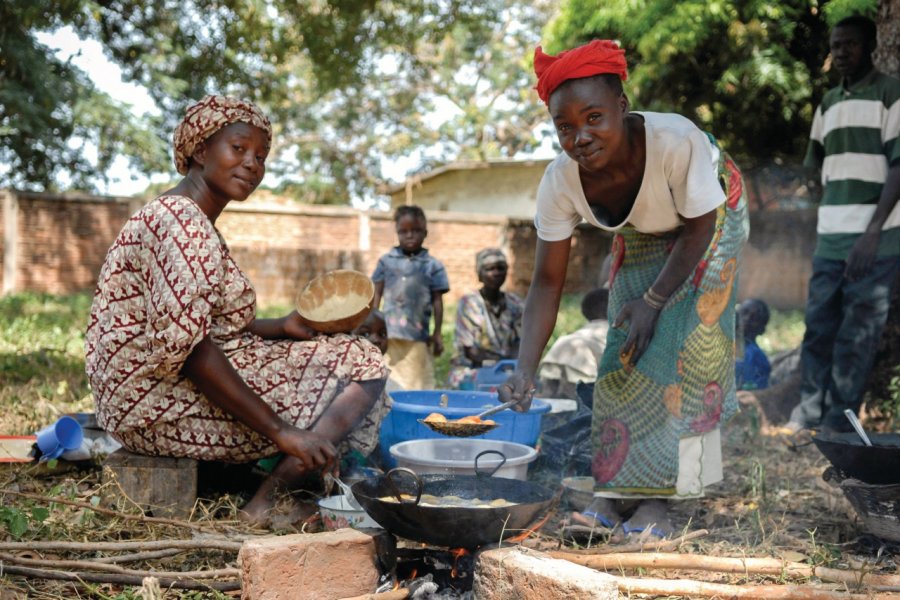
(324, 566)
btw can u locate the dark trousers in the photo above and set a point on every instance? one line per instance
(844, 321)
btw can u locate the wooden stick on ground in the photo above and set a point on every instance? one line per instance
(641, 547)
(764, 566)
(119, 578)
(687, 587)
(112, 513)
(123, 546)
(94, 566)
(137, 556)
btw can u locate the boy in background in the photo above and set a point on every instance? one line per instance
(412, 283)
(575, 357)
(752, 370)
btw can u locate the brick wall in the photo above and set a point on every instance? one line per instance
(61, 241)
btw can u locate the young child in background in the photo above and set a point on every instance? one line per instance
(412, 283)
(752, 371)
(374, 329)
(575, 357)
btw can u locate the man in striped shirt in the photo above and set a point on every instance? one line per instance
(854, 142)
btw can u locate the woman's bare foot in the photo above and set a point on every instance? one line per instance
(650, 520)
(283, 479)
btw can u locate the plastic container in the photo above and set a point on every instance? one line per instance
(488, 378)
(337, 513)
(401, 423)
(456, 456)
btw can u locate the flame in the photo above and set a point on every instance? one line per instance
(414, 573)
(456, 552)
(396, 585)
(518, 538)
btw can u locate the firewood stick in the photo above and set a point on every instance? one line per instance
(122, 546)
(687, 587)
(641, 547)
(696, 562)
(94, 566)
(112, 513)
(398, 594)
(119, 578)
(137, 556)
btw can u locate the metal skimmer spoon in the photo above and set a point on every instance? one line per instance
(851, 416)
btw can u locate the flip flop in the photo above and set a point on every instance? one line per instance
(600, 518)
(660, 533)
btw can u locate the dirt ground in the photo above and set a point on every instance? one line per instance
(773, 503)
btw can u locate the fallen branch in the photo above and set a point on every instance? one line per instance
(639, 547)
(687, 587)
(118, 578)
(136, 556)
(763, 566)
(112, 513)
(94, 566)
(120, 546)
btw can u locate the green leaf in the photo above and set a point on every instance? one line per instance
(39, 513)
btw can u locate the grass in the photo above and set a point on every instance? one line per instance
(42, 352)
(768, 502)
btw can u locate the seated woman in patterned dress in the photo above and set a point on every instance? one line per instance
(488, 321)
(178, 362)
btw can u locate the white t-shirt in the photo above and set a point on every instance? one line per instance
(680, 180)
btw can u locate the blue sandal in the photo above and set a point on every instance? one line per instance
(600, 518)
(628, 529)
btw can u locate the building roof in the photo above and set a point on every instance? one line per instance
(462, 165)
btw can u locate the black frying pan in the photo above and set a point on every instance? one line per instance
(456, 527)
(876, 464)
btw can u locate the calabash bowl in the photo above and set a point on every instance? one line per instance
(337, 301)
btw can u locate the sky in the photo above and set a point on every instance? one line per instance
(107, 76)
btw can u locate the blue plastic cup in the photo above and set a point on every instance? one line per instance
(65, 434)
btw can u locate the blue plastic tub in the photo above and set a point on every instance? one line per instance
(401, 423)
(488, 378)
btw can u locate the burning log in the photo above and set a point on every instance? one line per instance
(398, 594)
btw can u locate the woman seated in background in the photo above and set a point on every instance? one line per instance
(178, 362)
(488, 321)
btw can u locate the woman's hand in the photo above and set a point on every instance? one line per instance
(437, 343)
(295, 329)
(519, 387)
(313, 451)
(641, 319)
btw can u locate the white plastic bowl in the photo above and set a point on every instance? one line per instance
(337, 513)
(457, 456)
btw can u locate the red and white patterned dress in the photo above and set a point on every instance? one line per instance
(168, 281)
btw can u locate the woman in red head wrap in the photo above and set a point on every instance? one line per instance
(674, 202)
(179, 364)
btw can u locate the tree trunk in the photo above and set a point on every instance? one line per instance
(887, 59)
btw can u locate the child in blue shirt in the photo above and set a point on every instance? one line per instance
(412, 283)
(752, 371)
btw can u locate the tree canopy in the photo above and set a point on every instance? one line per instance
(749, 71)
(353, 85)
(349, 84)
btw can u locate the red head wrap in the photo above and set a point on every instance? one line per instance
(595, 58)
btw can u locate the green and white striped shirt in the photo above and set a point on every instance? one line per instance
(854, 141)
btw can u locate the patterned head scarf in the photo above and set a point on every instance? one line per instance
(488, 258)
(208, 116)
(595, 58)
